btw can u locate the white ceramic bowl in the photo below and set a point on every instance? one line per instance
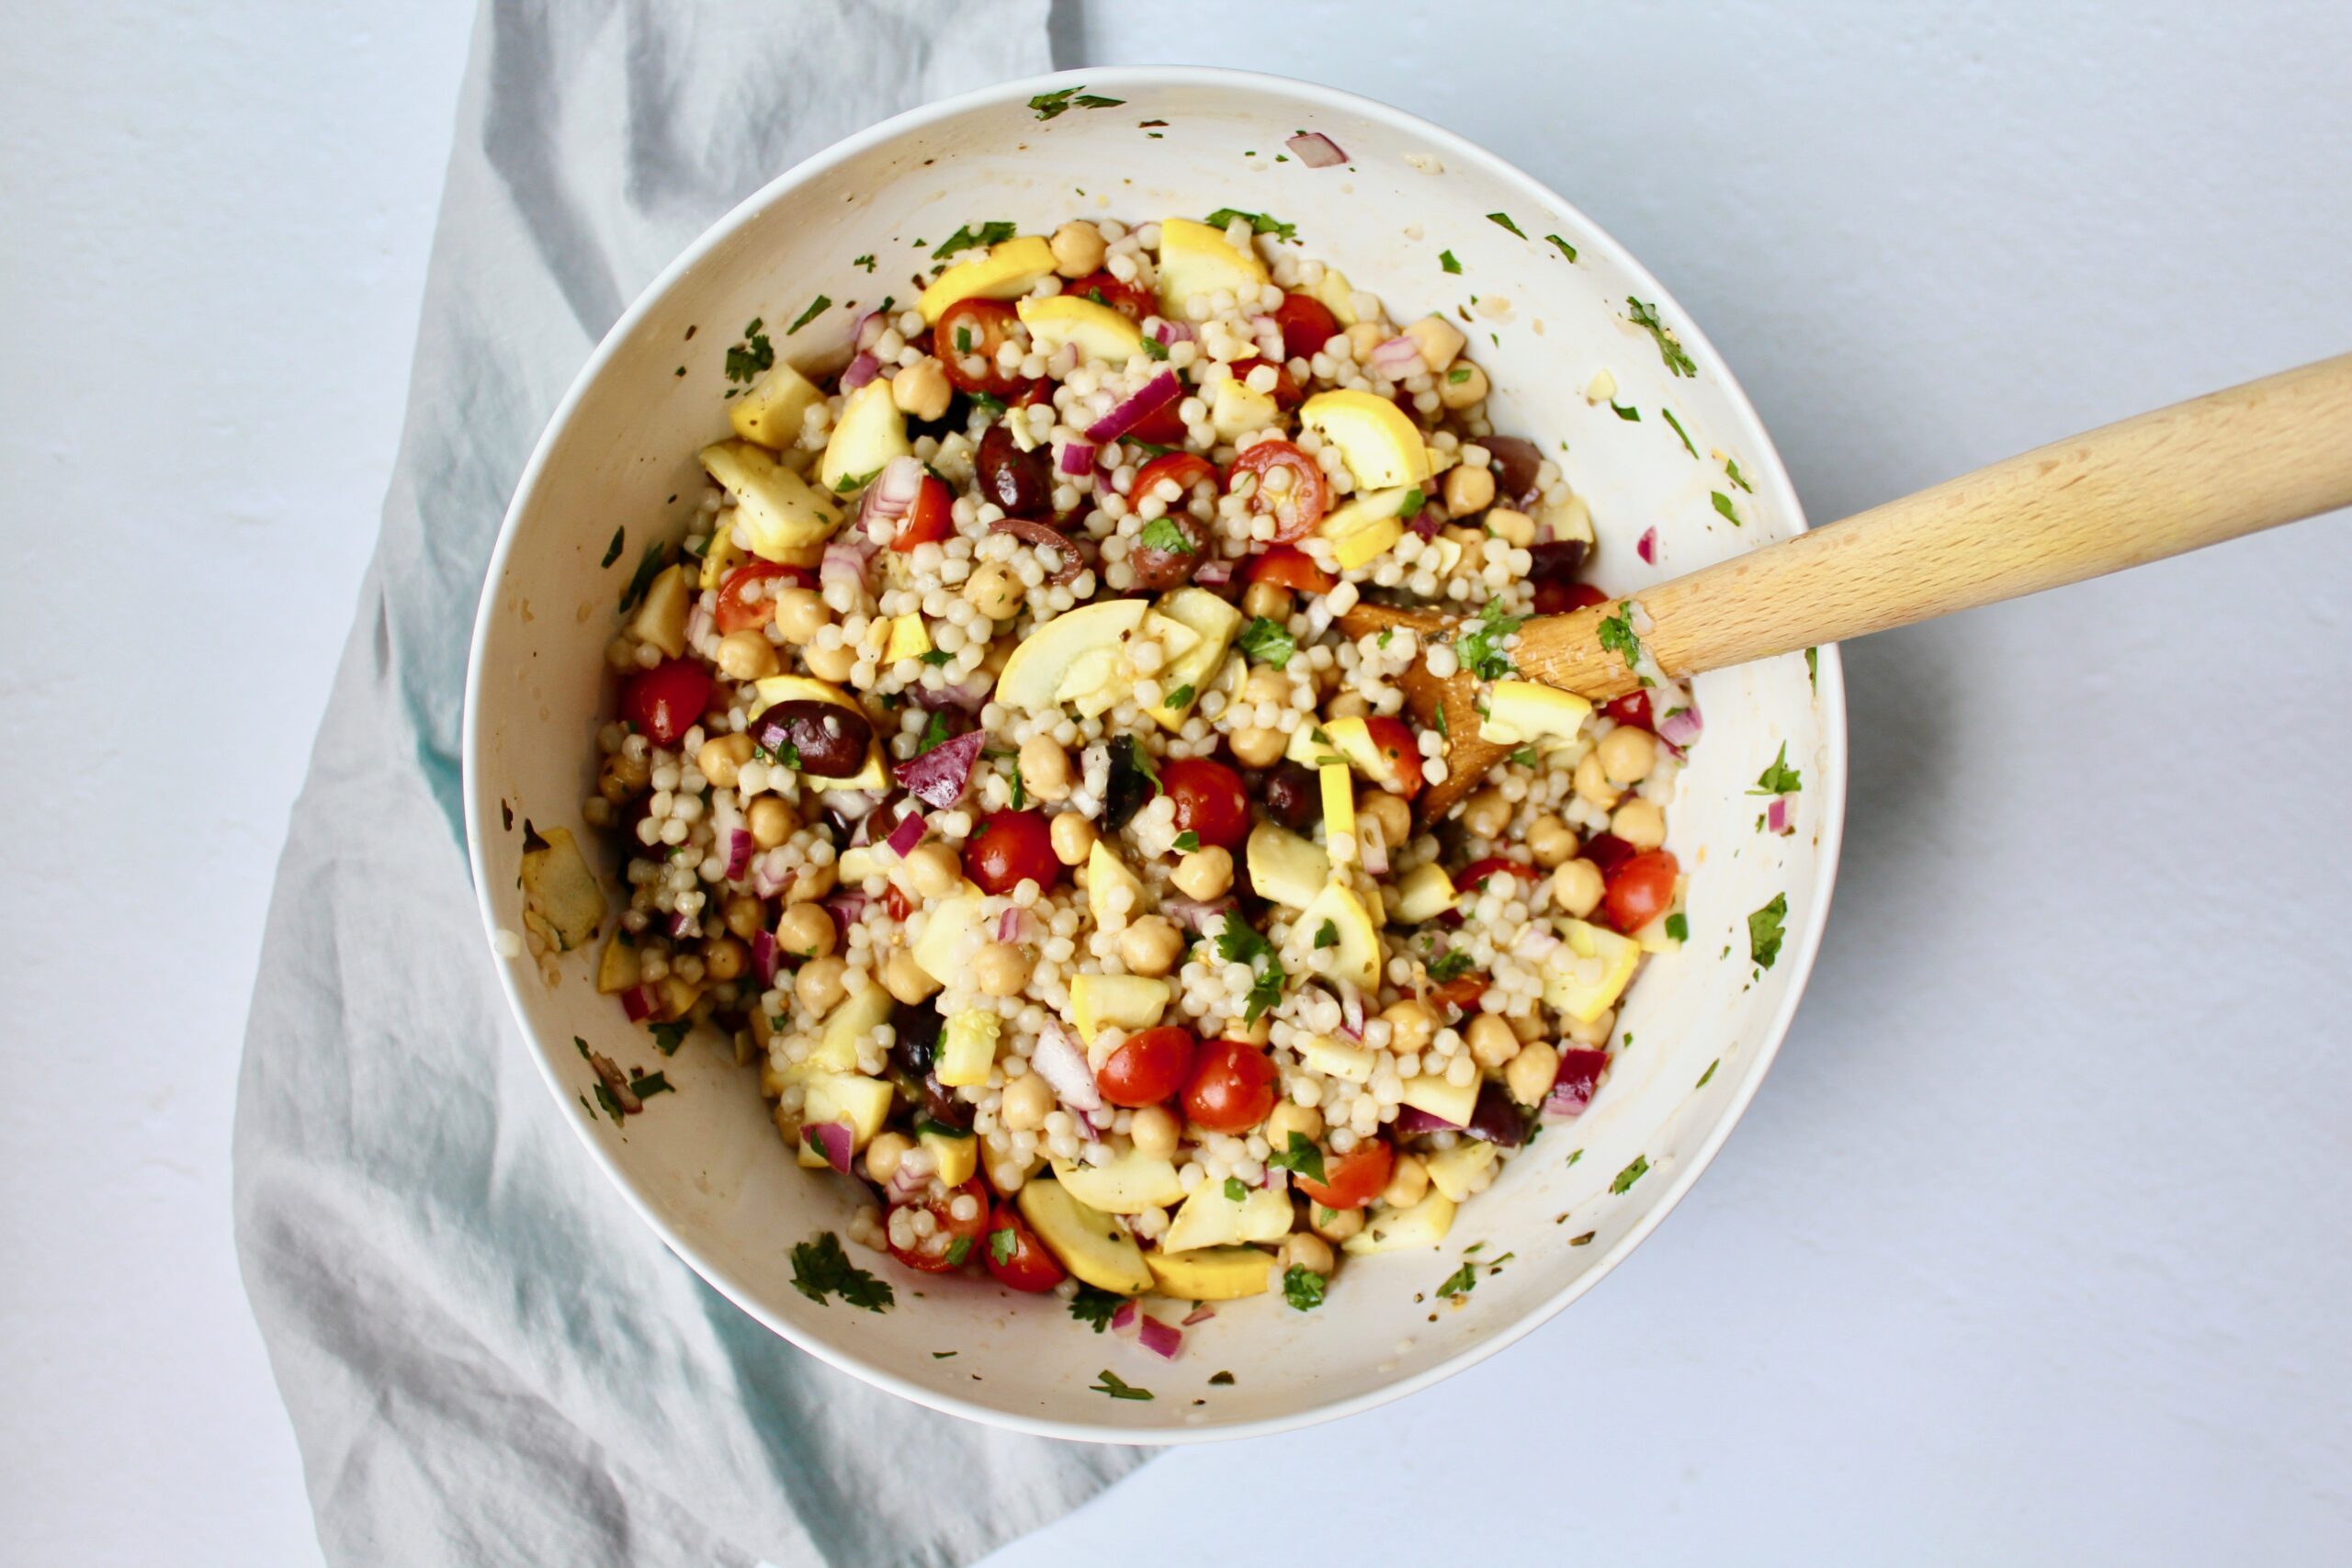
(706, 1168)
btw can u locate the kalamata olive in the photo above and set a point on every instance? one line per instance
(1516, 458)
(1557, 561)
(1130, 786)
(940, 1105)
(916, 1040)
(1496, 1120)
(827, 738)
(1294, 797)
(1164, 564)
(1016, 480)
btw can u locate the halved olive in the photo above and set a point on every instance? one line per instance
(819, 738)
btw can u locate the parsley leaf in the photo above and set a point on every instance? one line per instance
(613, 550)
(1236, 1189)
(934, 733)
(1002, 1244)
(816, 308)
(1239, 943)
(1525, 756)
(1504, 219)
(1669, 348)
(1445, 259)
(1302, 1156)
(865, 260)
(1678, 927)
(1706, 1076)
(1617, 634)
(937, 656)
(1019, 790)
(1110, 1383)
(1094, 1305)
(1260, 223)
(964, 239)
(1410, 507)
(1188, 841)
(606, 1099)
(1764, 930)
(1731, 471)
(1450, 965)
(1180, 697)
(1303, 1288)
(1048, 104)
(1267, 642)
(1813, 667)
(1779, 778)
(1723, 504)
(1444, 731)
(1326, 935)
(1630, 415)
(648, 566)
(1480, 649)
(1566, 249)
(747, 359)
(1162, 534)
(1669, 414)
(1631, 1174)
(1461, 1283)
(668, 1037)
(819, 1268)
(1154, 349)
(958, 1251)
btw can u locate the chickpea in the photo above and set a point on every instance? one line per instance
(771, 821)
(993, 592)
(1576, 887)
(800, 614)
(721, 759)
(1438, 340)
(907, 980)
(1305, 1249)
(1626, 755)
(744, 915)
(1334, 1224)
(1513, 527)
(725, 959)
(813, 882)
(1590, 1032)
(1266, 685)
(1411, 1026)
(621, 778)
(1001, 968)
(1155, 1131)
(746, 656)
(1028, 1101)
(1044, 768)
(1150, 947)
(1396, 817)
(1487, 814)
(1289, 1116)
(1467, 392)
(818, 985)
(806, 929)
(832, 664)
(1593, 784)
(1255, 748)
(935, 869)
(1078, 248)
(1492, 1043)
(1257, 1033)
(1529, 1075)
(1468, 490)
(1350, 705)
(1408, 1182)
(1365, 336)
(883, 1154)
(1552, 841)
(1205, 873)
(1270, 600)
(1073, 838)
(1527, 1026)
(1639, 822)
(920, 388)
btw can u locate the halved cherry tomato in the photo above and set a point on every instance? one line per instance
(1641, 889)
(1147, 1068)
(895, 900)
(1307, 324)
(1353, 1179)
(973, 1233)
(1232, 1089)
(971, 327)
(1187, 469)
(1287, 566)
(1026, 1265)
(1033, 393)
(1210, 800)
(1607, 852)
(1130, 302)
(1633, 708)
(1475, 874)
(1164, 426)
(665, 701)
(931, 519)
(1554, 597)
(1287, 394)
(1011, 846)
(737, 612)
(1461, 992)
(1305, 497)
(1393, 739)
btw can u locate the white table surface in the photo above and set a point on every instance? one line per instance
(2033, 1248)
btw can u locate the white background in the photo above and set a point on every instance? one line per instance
(2033, 1249)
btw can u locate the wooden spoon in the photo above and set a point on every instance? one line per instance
(2233, 462)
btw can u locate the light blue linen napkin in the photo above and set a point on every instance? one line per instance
(487, 1357)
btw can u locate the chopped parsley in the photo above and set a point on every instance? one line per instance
(1631, 415)
(1188, 841)
(1566, 249)
(1326, 935)
(1707, 1076)
(1668, 414)
(1779, 778)
(605, 1098)
(668, 1037)
(1452, 965)
(1669, 348)
(1813, 667)
(1019, 790)
(934, 733)
(748, 358)
(1461, 1283)
(1731, 471)
(1303, 1287)
(1302, 1156)
(1152, 347)
(1223, 1379)
(1094, 1304)
(865, 260)
(1048, 104)
(1162, 534)
(937, 656)
(1765, 930)
(1383, 639)
(1444, 733)
(962, 340)
(1504, 219)
(850, 484)
(1445, 259)
(1631, 1174)
(613, 550)
(964, 239)
(1180, 697)
(1260, 223)
(816, 308)
(1480, 649)
(1239, 943)
(1112, 1384)
(958, 1251)
(1267, 642)
(819, 1268)
(647, 1084)
(1678, 927)
(1236, 1189)
(1723, 504)
(1410, 507)
(1525, 756)
(648, 566)
(1002, 1245)
(1617, 634)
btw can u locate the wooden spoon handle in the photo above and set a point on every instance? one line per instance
(2218, 467)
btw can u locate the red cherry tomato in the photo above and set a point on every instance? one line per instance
(1633, 708)
(1210, 800)
(1287, 393)
(1475, 874)
(1302, 501)
(1164, 426)
(1009, 846)
(1130, 302)
(1641, 889)
(1353, 1179)
(1232, 1087)
(1460, 993)
(1393, 739)
(1307, 324)
(931, 519)
(1287, 566)
(1187, 469)
(1147, 1068)
(1607, 852)
(973, 1233)
(971, 327)
(1026, 1265)
(665, 701)
(894, 898)
(1554, 597)
(739, 612)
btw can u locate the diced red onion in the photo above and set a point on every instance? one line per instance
(1350, 1009)
(1573, 1086)
(763, 955)
(1154, 394)
(904, 1187)
(850, 805)
(1061, 1062)
(770, 875)
(1124, 1317)
(1162, 1339)
(1542, 533)
(685, 927)
(938, 778)
(971, 693)
(1012, 926)
(844, 564)
(861, 370)
(1076, 459)
(639, 1003)
(1066, 550)
(1315, 150)
(1412, 1119)
(906, 835)
(1425, 522)
(889, 496)
(700, 624)
(869, 330)
(1197, 914)
(1199, 1313)
(1213, 574)
(1168, 332)
(1776, 815)
(833, 1140)
(739, 853)
(1372, 845)
(1679, 726)
(1397, 359)
(1539, 943)
(618, 1082)
(1647, 545)
(847, 908)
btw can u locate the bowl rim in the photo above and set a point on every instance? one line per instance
(1771, 476)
